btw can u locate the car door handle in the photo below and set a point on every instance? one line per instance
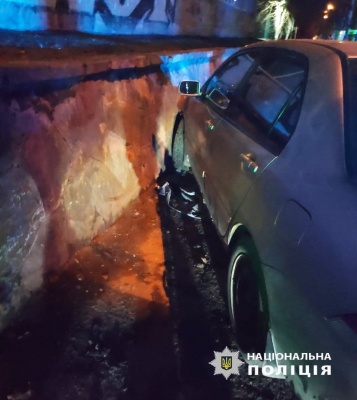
(209, 124)
(248, 163)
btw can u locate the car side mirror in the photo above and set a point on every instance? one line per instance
(189, 88)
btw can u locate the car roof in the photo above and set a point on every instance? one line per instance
(347, 47)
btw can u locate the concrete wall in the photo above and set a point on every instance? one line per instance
(78, 142)
(225, 18)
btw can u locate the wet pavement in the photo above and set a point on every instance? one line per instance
(136, 314)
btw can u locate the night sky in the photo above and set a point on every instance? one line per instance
(308, 15)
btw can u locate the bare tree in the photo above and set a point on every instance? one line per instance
(275, 16)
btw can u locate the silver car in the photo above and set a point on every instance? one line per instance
(271, 138)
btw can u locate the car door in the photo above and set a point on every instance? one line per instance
(199, 120)
(203, 117)
(261, 115)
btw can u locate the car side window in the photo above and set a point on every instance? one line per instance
(267, 104)
(261, 92)
(228, 77)
(271, 87)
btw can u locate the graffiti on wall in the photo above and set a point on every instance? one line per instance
(146, 8)
(171, 17)
(142, 10)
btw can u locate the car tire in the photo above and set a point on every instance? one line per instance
(247, 299)
(178, 146)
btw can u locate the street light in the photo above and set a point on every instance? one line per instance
(328, 15)
(330, 7)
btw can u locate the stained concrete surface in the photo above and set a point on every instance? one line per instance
(136, 314)
(85, 136)
(53, 47)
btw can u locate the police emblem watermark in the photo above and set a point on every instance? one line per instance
(280, 365)
(226, 363)
(273, 365)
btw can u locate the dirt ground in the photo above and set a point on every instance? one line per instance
(136, 314)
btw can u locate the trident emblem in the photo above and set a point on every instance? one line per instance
(226, 362)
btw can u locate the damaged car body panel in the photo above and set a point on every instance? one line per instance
(275, 165)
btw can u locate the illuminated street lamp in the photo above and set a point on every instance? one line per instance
(328, 14)
(338, 18)
(330, 7)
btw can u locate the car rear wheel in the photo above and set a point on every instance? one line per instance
(246, 299)
(178, 146)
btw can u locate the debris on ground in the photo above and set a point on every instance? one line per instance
(185, 209)
(136, 314)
